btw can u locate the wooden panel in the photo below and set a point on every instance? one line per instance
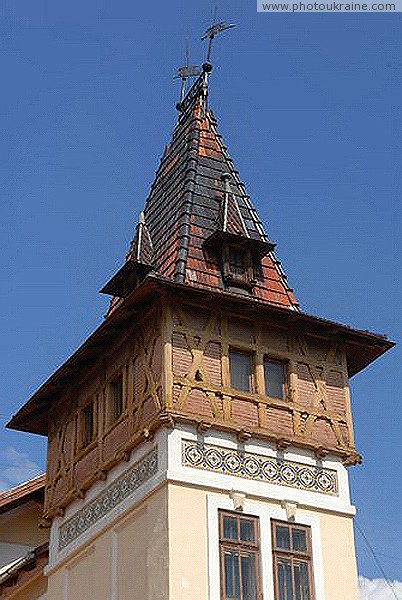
(306, 388)
(241, 330)
(115, 439)
(336, 392)
(198, 403)
(275, 339)
(324, 433)
(212, 363)
(279, 422)
(244, 413)
(85, 467)
(182, 357)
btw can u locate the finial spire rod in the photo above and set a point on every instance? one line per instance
(185, 73)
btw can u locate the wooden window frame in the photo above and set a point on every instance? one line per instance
(292, 555)
(252, 382)
(113, 416)
(245, 280)
(241, 546)
(285, 367)
(83, 444)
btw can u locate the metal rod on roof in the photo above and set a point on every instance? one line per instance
(185, 74)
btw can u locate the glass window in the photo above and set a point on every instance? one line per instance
(116, 397)
(239, 551)
(274, 373)
(292, 561)
(86, 425)
(241, 369)
(237, 262)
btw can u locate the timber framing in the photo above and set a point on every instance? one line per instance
(171, 345)
(361, 347)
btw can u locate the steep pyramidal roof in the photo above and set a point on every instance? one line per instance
(197, 194)
(196, 211)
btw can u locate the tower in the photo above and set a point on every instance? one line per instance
(199, 439)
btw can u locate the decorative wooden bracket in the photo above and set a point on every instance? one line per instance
(321, 452)
(283, 443)
(243, 435)
(203, 426)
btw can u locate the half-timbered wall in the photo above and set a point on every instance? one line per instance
(175, 366)
(315, 411)
(72, 468)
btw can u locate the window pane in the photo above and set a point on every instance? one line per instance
(230, 528)
(232, 575)
(305, 582)
(274, 379)
(248, 577)
(285, 584)
(236, 262)
(299, 540)
(117, 391)
(246, 530)
(282, 537)
(297, 582)
(229, 575)
(87, 425)
(240, 370)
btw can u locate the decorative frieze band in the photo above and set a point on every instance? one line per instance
(117, 491)
(259, 468)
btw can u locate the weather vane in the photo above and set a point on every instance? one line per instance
(185, 73)
(213, 31)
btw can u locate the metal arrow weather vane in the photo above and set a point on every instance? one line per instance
(212, 32)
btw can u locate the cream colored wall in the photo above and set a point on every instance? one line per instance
(187, 544)
(128, 561)
(158, 551)
(20, 526)
(34, 590)
(339, 558)
(188, 547)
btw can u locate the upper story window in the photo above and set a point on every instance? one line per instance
(291, 545)
(241, 370)
(275, 378)
(237, 262)
(239, 545)
(238, 268)
(86, 426)
(116, 398)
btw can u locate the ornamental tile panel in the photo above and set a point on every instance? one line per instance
(117, 491)
(259, 468)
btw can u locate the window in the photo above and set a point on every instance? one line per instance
(86, 426)
(237, 266)
(275, 379)
(291, 545)
(116, 388)
(238, 270)
(241, 370)
(239, 556)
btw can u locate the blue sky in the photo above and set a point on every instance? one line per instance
(310, 107)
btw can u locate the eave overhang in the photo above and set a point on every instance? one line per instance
(362, 347)
(126, 279)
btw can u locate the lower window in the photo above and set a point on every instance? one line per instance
(239, 544)
(291, 544)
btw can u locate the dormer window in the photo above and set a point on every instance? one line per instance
(238, 270)
(237, 263)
